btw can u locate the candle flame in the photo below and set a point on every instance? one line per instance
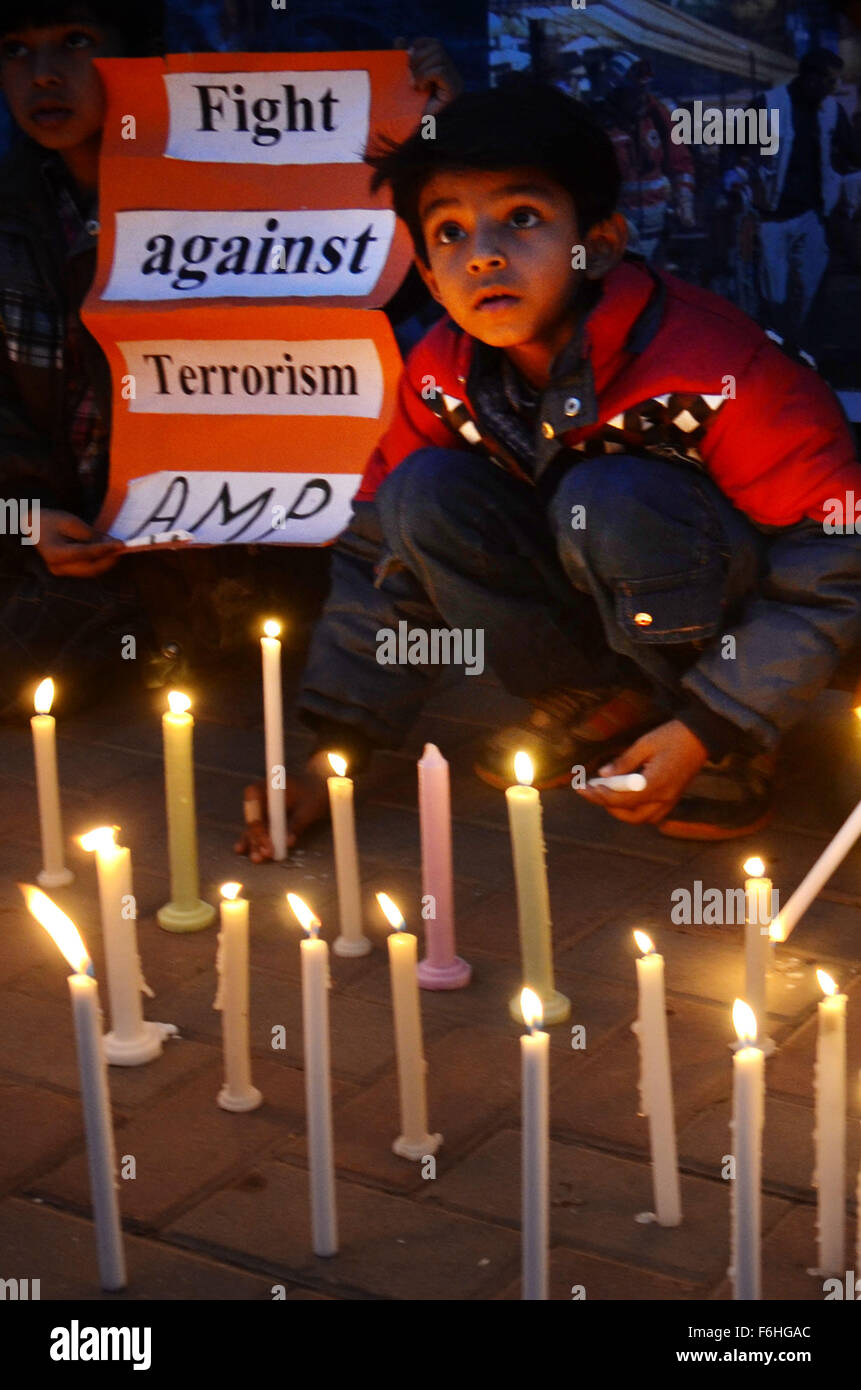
(754, 868)
(178, 702)
(59, 927)
(523, 769)
(392, 911)
(857, 711)
(306, 917)
(44, 697)
(271, 628)
(101, 839)
(744, 1021)
(775, 930)
(231, 891)
(826, 983)
(337, 764)
(530, 1007)
(644, 942)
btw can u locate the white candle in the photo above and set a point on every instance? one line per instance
(352, 940)
(53, 873)
(757, 945)
(318, 1086)
(237, 1093)
(414, 1141)
(829, 1176)
(92, 1069)
(131, 1040)
(535, 1208)
(656, 1087)
(273, 733)
(748, 1113)
(185, 911)
(441, 968)
(533, 895)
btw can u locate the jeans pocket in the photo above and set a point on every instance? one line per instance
(686, 607)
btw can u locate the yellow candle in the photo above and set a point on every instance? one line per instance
(352, 940)
(273, 734)
(829, 1177)
(54, 873)
(414, 1141)
(533, 896)
(185, 911)
(237, 1093)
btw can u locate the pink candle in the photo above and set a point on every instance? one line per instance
(441, 968)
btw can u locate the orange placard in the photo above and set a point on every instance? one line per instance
(242, 261)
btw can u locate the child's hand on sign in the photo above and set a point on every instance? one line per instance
(70, 548)
(307, 798)
(432, 71)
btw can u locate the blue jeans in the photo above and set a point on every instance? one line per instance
(658, 570)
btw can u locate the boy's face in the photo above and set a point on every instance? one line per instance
(47, 75)
(500, 251)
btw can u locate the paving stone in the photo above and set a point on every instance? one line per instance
(185, 1144)
(787, 1156)
(594, 1200)
(388, 1247)
(43, 1123)
(605, 1279)
(789, 1261)
(60, 1250)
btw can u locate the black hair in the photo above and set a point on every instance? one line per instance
(820, 60)
(141, 22)
(524, 124)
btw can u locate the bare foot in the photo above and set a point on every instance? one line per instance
(254, 840)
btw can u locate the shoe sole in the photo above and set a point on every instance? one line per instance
(693, 830)
(564, 778)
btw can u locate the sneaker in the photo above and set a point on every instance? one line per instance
(725, 800)
(565, 729)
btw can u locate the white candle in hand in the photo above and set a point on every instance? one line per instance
(273, 732)
(414, 1140)
(318, 1086)
(54, 873)
(535, 1175)
(237, 1093)
(352, 941)
(656, 1082)
(830, 1090)
(757, 944)
(748, 1113)
(98, 1127)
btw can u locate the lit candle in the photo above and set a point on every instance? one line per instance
(829, 1176)
(93, 1072)
(318, 1086)
(231, 998)
(748, 1113)
(533, 895)
(352, 941)
(131, 1040)
(414, 1140)
(53, 873)
(185, 911)
(656, 1087)
(273, 733)
(441, 968)
(535, 1209)
(757, 944)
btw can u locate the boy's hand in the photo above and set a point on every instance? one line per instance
(307, 798)
(432, 71)
(72, 549)
(668, 757)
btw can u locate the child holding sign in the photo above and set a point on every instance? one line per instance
(615, 477)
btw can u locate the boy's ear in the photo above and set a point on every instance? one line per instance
(605, 246)
(429, 278)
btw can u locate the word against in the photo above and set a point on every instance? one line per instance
(436, 646)
(23, 1289)
(318, 377)
(76, 1343)
(268, 117)
(217, 254)
(835, 1289)
(716, 907)
(21, 518)
(216, 508)
(842, 516)
(713, 126)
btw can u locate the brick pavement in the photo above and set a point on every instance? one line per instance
(219, 1206)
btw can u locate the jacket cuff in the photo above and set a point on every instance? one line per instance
(347, 739)
(720, 736)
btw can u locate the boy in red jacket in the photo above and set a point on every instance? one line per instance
(615, 478)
